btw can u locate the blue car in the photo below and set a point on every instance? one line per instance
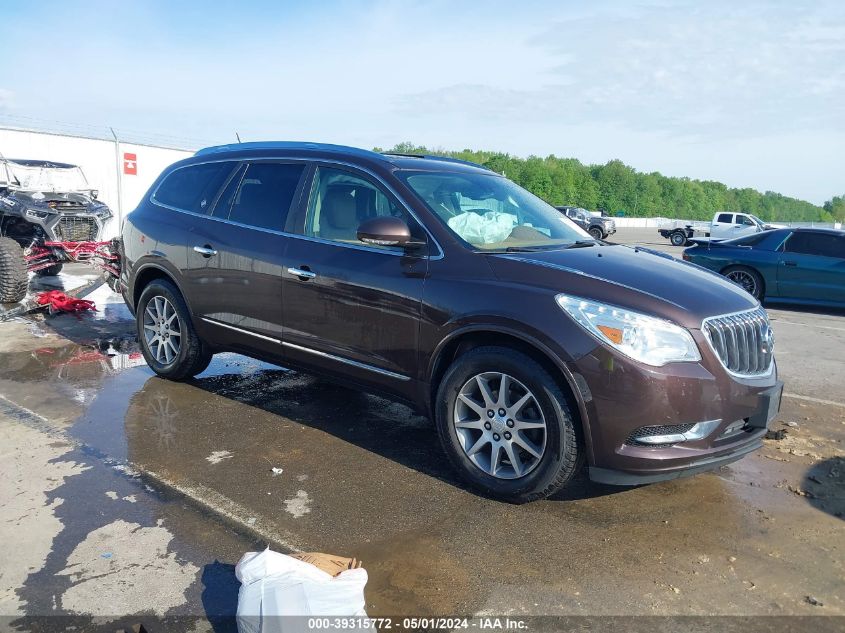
(803, 266)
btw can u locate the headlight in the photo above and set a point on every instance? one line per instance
(644, 338)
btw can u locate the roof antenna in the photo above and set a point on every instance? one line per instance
(238, 136)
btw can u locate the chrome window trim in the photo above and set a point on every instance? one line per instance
(241, 330)
(764, 374)
(347, 361)
(440, 252)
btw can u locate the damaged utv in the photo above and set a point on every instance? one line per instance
(48, 215)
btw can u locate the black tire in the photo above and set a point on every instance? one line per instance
(562, 456)
(678, 238)
(596, 233)
(748, 279)
(55, 269)
(13, 276)
(193, 356)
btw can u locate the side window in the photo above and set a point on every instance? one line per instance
(744, 219)
(341, 201)
(224, 202)
(725, 217)
(816, 244)
(264, 195)
(193, 188)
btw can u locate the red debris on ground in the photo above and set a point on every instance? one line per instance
(57, 301)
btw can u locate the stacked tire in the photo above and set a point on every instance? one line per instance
(13, 276)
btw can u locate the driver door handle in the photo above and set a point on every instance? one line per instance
(790, 263)
(304, 275)
(205, 251)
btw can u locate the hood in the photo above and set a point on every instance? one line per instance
(637, 279)
(69, 202)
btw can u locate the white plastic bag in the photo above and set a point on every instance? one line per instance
(274, 585)
(490, 228)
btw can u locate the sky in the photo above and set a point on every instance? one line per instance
(748, 93)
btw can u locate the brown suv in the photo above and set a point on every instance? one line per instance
(533, 347)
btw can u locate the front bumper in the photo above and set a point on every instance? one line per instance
(623, 396)
(623, 478)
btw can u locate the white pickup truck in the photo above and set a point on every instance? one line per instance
(726, 225)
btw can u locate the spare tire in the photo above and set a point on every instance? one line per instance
(13, 276)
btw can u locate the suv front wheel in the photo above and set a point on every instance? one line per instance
(506, 426)
(169, 343)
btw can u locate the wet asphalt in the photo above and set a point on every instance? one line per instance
(86, 426)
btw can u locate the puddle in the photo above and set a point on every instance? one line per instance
(363, 476)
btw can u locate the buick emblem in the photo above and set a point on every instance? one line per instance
(768, 340)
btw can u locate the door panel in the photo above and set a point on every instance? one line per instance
(356, 310)
(239, 286)
(807, 269)
(236, 258)
(360, 305)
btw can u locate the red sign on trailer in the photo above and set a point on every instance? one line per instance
(130, 164)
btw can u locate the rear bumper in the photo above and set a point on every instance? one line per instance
(622, 478)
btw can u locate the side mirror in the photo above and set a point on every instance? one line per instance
(384, 231)
(94, 193)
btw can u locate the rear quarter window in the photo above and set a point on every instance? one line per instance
(193, 188)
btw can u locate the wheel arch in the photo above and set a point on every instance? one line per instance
(465, 339)
(146, 274)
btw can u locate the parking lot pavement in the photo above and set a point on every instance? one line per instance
(365, 477)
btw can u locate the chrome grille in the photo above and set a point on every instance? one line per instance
(742, 341)
(76, 229)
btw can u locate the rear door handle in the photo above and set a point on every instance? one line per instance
(205, 251)
(790, 263)
(303, 274)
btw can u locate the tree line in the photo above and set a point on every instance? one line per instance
(617, 187)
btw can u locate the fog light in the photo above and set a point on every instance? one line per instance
(672, 434)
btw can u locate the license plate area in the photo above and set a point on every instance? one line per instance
(769, 407)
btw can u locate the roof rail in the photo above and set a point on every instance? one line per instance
(447, 159)
(291, 145)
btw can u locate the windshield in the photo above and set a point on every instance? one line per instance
(35, 178)
(490, 212)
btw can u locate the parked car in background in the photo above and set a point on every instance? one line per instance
(598, 226)
(724, 226)
(805, 266)
(534, 348)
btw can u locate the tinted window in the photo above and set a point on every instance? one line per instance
(725, 217)
(224, 202)
(265, 195)
(193, 188)
(341, 201)
(816, 244)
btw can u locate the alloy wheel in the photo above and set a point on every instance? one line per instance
(162, 330)
(744, 280)
(500, 425)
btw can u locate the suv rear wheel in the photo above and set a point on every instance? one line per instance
(13, 276)
(169, 343)
(506, 426)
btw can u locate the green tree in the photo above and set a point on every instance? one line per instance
(619, 187)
